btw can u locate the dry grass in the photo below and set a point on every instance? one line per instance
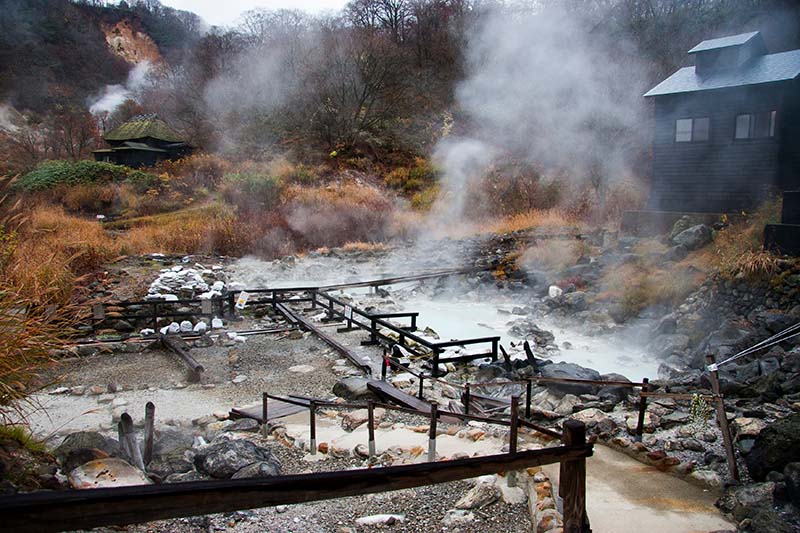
(553, 254)
(365, 247)
(636, 287)
(738, 248)
(533, 219)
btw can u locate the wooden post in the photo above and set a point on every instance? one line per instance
(313, 299)
(312, 413)
(432, 433)
(642, 410)
(494, 349)
(513, 436)
(384, 365)
(435, 362)
(149, 429)
(264, 414)
(421, 379)
(528, 393)
(467, 398)
(529, 355)
(371, 427)
(506, 358)
(572, 480)
(128, 433)
(722, 418)
(206, 308)
(232, 304)
(154, 314)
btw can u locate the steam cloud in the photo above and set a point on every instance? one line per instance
(542, 87)
(114, 95)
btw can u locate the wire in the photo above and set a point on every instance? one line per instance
(786, 334)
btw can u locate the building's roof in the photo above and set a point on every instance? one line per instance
(723, 42)
(143, 126)
(768, 68)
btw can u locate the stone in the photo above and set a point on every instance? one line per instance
(741, 500)
(668, 344)
(164, 466)
(216, 323)
(244, 424)
(80, 456)
(106, 473)
(201, 327)
(595, 420)
(380, 519)
(675, 418)
(260, 469)
(353, 388)
(482, 494)
(744, 428)
(775, 447)
(301, 369)
(554, 292)
(694, 238)
(613, 392)
(354, 419)
(241, 378)
(83, 440)
(676, 253)
(185, 477)
(566, 405)
(458, 517)
(706, 478)
(186, 326)
(791, 476)
(224, 458)
(570, 370)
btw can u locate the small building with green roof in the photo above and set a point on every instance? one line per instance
(142, 141)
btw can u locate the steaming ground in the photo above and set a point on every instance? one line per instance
(452, 308)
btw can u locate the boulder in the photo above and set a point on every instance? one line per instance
(106, 473)
(614, 393)
(81, 456)
(354, 419)
(165, 466)
(665, 345)
(596, 420)
(526, 329)
(353, 388)
(244, 424)
(223, 459)
(86, 440)
(694, 238)
(676, 253)
(260, 469)
(572, 371)
(775, 447)
(741, 500)
(482, 494)
(747, 428)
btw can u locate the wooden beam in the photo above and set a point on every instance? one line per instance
(172, 343)
(84, 509)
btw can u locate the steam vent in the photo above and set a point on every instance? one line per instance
(142, 141)
(727, 129)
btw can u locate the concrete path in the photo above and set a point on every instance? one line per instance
(624, 495)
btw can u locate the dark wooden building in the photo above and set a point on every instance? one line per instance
(143, 141)
(727, 130)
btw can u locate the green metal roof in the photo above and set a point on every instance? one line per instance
(143, 126)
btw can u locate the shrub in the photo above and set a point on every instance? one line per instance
(252, 192)
(48, 174)
(414, 179)
(738, 248)
(334, 215)
(195, 171)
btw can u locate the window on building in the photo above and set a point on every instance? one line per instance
(692, 129)
(755, 125)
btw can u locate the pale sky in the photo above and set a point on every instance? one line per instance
(225, 12)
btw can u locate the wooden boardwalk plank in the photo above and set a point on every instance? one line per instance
(277, 409)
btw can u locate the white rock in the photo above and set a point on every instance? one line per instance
(174, 328)
(217, 286)
(554, 292)
(164, 330)
(380, 519)
(177, 268)
(236, 286)
(146, 332)
(170, 298)
(217, 323)
(60, 390)
(301, 369)
(456, 517)
(241, 378)
(200, 327)
(483, 493)
(186, 326)
(104, 473)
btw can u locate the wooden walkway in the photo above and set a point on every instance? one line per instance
(277, 409)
